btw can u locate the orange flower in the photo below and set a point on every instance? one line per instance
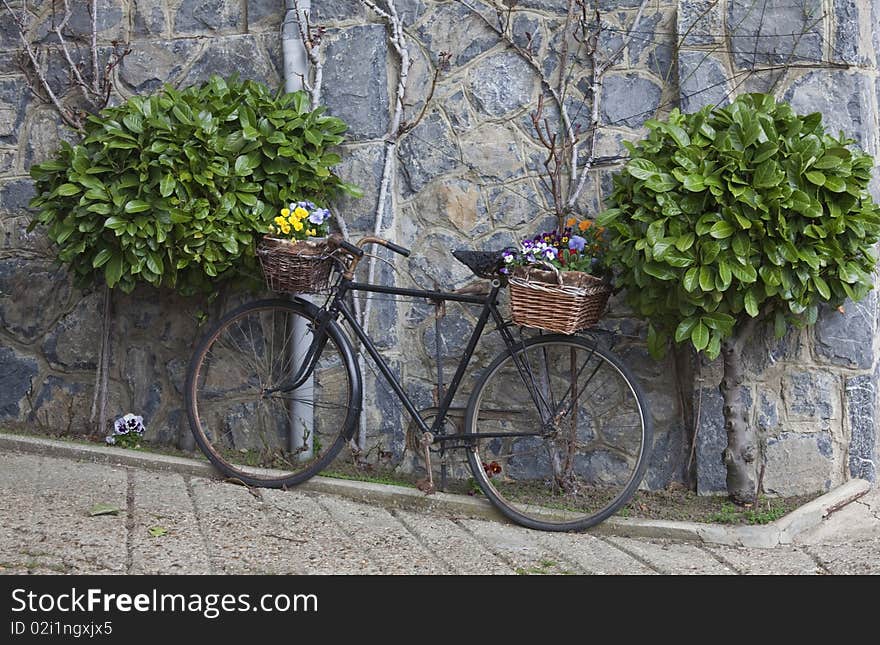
(571, 221)
(584, 225)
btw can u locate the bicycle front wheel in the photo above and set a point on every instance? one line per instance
(244, 411)
(560, 434)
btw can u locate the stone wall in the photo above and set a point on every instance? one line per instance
(467, 177)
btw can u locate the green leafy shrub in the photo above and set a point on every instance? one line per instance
(171, 189)
(729, 213)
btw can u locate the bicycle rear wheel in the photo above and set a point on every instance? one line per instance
(560, 433)
(244, 414)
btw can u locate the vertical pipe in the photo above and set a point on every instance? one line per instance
(296, 67)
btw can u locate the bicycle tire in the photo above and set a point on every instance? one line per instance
(551, 477)
(250, 435)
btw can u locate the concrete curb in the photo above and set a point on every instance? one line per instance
(782, 531)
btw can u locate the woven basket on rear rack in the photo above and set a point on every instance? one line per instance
(301, 266)
(563, 302)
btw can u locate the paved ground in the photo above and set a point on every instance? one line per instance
(172, 523)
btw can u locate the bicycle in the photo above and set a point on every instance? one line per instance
(556, 430)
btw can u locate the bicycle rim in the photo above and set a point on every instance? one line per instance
(561, 437)
(249, 429)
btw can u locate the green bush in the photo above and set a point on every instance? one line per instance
(739, 211)
(172, 189)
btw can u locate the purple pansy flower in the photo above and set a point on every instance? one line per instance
(577, 243)
(318, 216)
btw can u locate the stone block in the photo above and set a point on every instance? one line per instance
(768, 410)
(798, 464)
(702, 80)
(777, 32)
(148, 19)
(454, 28)
(14, 100)
(361, 165)
(15, 196)
(356, 80)
(847, 339)
(266, 15)
(847, 20)
(45, 132)
(811, 396)
(75, 341)
(156, 62)
(242, 55)
(492, 151)
(700, 22)
(139, 372)
(628, 100)
(427, 152)
(711, 442)
(842, 98)
(33, 294)
(501, 84)
(669, 456)
(17, 372)
(861, 405)
(208, 17)
(329, 11)
(63, 406)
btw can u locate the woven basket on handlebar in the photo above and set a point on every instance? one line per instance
(563, 302)
(302, 266)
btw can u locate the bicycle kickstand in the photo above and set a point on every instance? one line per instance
(426, 485)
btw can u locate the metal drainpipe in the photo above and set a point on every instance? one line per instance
(296, 66)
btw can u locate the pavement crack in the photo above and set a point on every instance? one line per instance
(344, 529)
(720, 558)
(449, 566)
(502, 557)
(874, 514)
(200, 522)
(129, 520)
(635, 556)
(823, 567)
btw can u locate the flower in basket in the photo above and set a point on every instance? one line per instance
(580, 246)
(301, 220)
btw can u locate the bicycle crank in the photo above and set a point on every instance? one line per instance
(426, 485)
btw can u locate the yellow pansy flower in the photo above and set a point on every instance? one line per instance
(292, 219)
(285, 212)
(279, 221)
(300, 212)
(285, 228)
(311, 231)
(297, 226)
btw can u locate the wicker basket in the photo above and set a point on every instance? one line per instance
(563, 302)
(295, 266)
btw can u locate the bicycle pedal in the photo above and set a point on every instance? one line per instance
(426, 485)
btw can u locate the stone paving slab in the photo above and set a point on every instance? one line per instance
(44, 514)
(853, 558)
(673, 557)
(383, 540)
(162, 501)
(452, 544)
(781, 560)
(594, 555)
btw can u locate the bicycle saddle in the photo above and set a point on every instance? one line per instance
(484, 264)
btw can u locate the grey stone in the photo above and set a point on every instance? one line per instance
(15, 196)
(356, 80)
(501, 83)
(454, 28)
(361, 165)
(240, 55)
(711, 442)
(410, 11)
(702, 80)
(149, 19)
(559, 6)
(861, 395)
(139, 372)
(798, 464)
(628, 100)
(842, 98)
(452, 204)
(775, 33)
(668, 457)
(109, 21)
(768, 410)
(509, 205)
(16, 375)
(45, 132)
(154, 63)
(326, 11)
(208, 16)
(847, 339)
(492, 152)
(646, 37)
(74, 343)
(33, 294)
(265, 15)
(700, 22)
(427, 152)
(526, 32)
(9, 38)
(458, 111)
(63, 406)
(14, 100)
(455, 331)
(811, 396)
(8, 157)
(847, 20)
